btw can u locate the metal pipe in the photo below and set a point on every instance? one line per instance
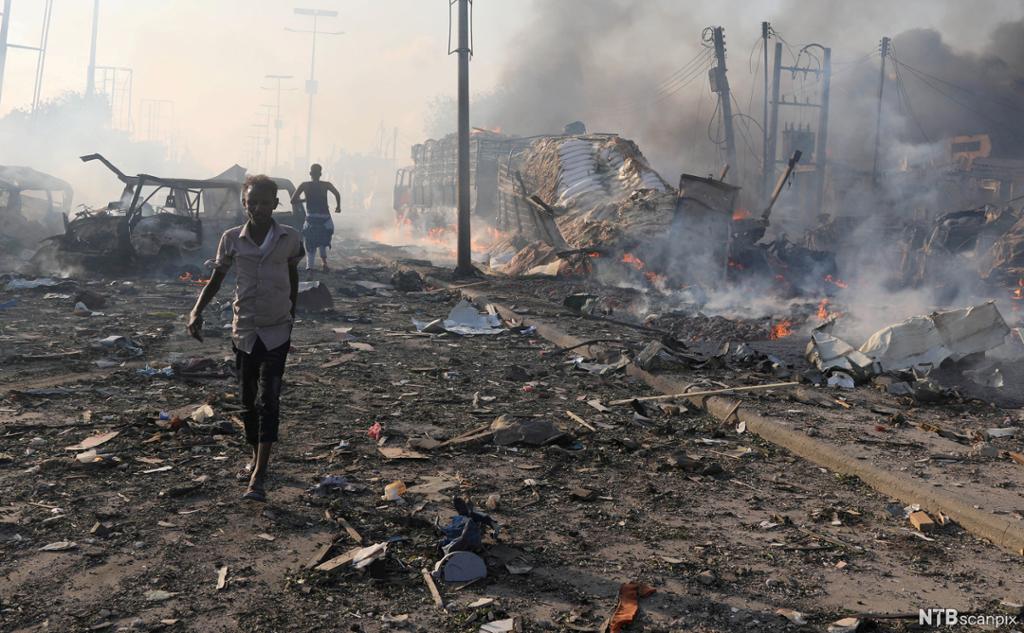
(44, 38)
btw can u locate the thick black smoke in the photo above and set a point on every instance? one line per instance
(606, 62)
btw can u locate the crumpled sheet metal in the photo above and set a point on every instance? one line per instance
(829, 353)
(931, 339)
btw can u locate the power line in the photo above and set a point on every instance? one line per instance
(923, 79)
(1005, 104)
(745, 129)
(682, 77)
(901, 94)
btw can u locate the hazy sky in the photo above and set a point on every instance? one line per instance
(210, 56)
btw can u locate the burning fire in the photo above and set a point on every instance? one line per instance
(187, 277)
(638, 264)
(740, 214)
(439, 237)
(735, 265)
(1018, 292)
(633, 260)
(782, 329)
(824, 313)
(838, 283)
(823, 310)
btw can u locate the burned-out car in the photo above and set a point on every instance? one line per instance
(31, 206)
(158, 224)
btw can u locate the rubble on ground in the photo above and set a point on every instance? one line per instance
(128, 467)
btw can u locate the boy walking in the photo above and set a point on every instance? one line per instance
(266, 255)
(318, 229)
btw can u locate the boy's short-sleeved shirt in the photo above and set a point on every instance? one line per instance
(262, 304)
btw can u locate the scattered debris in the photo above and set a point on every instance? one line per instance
(625, 612)
(921, 521)
(464, 320)
(460, 566)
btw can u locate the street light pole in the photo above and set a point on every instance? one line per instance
(277, 117)
(90, 81)
(4, 29)
(311, 84)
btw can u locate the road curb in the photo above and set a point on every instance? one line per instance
(998, 530)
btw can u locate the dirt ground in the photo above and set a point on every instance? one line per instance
(725, 527)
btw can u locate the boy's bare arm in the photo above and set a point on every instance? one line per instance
(337, 196)
(293, 279)
(195, 318)
(297, 196)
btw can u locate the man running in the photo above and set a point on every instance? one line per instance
(318, 228)
(266, 256)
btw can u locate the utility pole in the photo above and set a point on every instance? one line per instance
(277, 116)
(878, 119)
(773, 134)
(5, 26)
(821, 152)
(90, 81)
(822, 71)
(311, 84)
(724, 100)
(464, 266)
(766, 160)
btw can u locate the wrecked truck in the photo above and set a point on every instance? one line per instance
(158, 224)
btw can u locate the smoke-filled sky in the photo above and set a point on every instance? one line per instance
(549, 60)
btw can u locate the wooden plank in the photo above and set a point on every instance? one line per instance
(580, 421)
(351, 531)
(320, 554)
(712, 392)
(434, 593)
(338, 561)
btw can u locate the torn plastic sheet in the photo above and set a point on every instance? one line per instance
(31, 284)
(935, 337)
(119, 345)
(600, 369)
(464, 319)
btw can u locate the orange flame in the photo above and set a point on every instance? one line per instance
(633, 260)
(740, 214)
(735, 265)
(824, 313)
(839, 283)
(782, 329)
(1018, 292)
(187, 277)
